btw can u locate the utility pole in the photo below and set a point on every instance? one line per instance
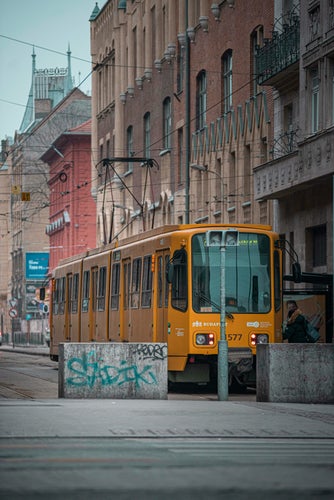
(222, 239)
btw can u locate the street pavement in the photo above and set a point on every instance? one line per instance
(159, 449)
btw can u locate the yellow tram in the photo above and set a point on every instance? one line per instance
(164, 286)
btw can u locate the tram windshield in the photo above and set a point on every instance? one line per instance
(247, 275)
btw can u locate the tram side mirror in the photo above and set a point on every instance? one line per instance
(170, 272)
(296, 272)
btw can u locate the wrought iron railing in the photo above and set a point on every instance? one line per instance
(280, 51)
(284, 144)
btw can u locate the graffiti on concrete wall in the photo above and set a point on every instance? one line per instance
(151, 351)
(87, 371)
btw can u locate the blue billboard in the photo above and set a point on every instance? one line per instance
(37, 265)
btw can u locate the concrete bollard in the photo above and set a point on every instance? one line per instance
(113, 370)
(295, 373)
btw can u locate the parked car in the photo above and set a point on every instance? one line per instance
(47, 336)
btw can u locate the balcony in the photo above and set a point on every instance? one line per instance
(285, 175)
(279, 53)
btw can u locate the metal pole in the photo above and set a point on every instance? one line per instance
(222, 376)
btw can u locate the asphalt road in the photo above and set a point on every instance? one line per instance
(190, 446)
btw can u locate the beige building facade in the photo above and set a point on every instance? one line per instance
(300, 176)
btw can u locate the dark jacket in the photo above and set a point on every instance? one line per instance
(295, 330)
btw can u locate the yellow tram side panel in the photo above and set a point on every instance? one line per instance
(138, 323)
(95, 318)
(65, 324)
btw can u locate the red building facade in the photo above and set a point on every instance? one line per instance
(72, 222)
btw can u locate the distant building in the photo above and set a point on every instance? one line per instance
(72, 213)
(49, 86)
(5, 232)
(53, 108)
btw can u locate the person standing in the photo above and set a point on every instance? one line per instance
(295, 331)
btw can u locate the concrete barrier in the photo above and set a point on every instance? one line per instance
(113, 370)
(295, 373)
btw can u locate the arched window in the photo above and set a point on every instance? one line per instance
(167, 123)
(147, 135)
(129, 146)
(201, 100)
(256, 42)
(227, 80)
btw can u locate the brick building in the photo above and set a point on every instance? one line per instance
(174, 81)
(72, 214)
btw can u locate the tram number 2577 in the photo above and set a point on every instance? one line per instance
(234, 336)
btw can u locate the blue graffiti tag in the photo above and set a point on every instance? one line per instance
(89, 372)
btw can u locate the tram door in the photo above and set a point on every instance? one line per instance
(125, 298)
(93, 304)
(68, 320)
(161, 287)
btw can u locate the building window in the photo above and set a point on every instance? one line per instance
(319, 239)
(147, 135)
(315, 101)
(180, 172)
(314, 17)
(256, 42)
(227, 80)
(129, 146)
(201, 100)
(167, 123)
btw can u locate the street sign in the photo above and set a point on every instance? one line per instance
(12, 313)
(13, 302)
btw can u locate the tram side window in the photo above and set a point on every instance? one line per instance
(126, 281)
(101, 295)
(114, 296)
(180, 281)
(55, 297)
(135, 283)
(94, 288)
(146, 294)
(69, 292)
(75, 293)
(62, 296)
(167, 258)
(160, 275)
(85, 291)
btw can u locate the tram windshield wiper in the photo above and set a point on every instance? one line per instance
(207, 299)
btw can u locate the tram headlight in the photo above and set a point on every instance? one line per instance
(259, 338)
(205, 339)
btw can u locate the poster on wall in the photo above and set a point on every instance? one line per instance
(37, 265)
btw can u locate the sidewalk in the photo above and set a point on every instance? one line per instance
(37, 350)
(128, 418)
